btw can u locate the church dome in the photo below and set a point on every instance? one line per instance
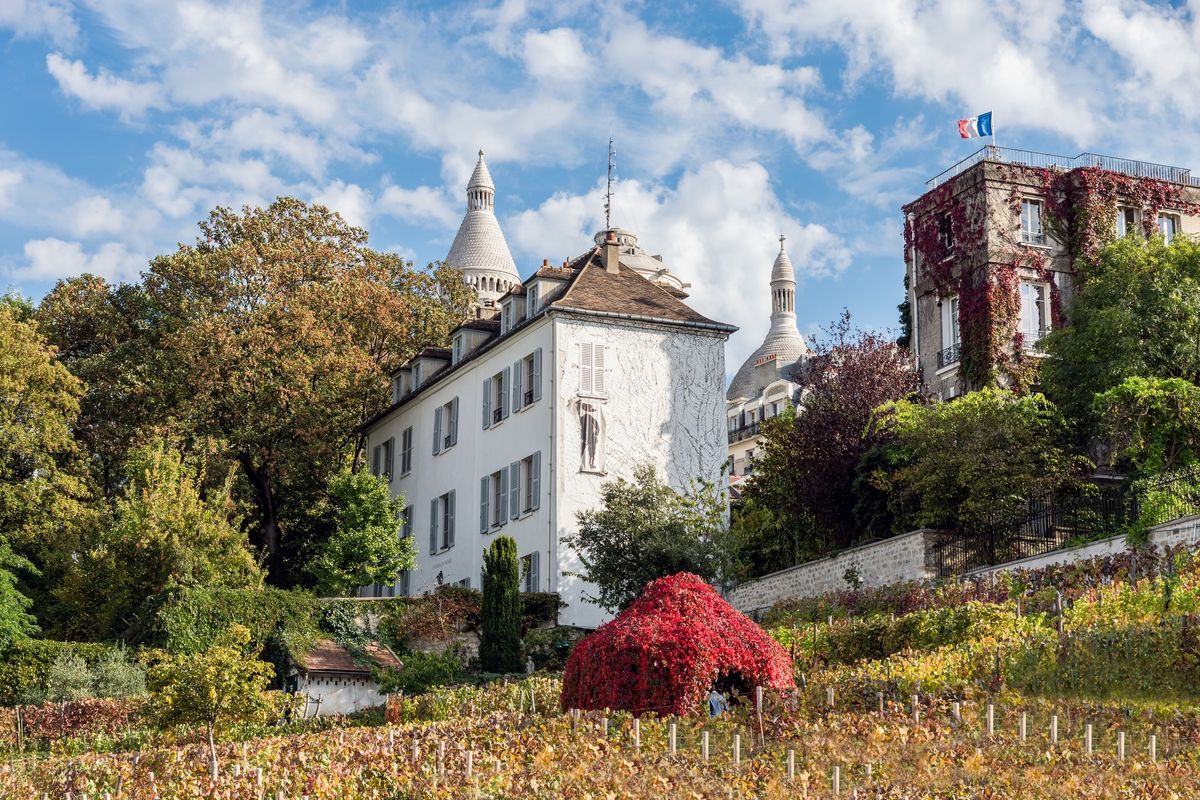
(784, 349)
(479, 248)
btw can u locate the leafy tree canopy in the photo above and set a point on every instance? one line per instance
(1154, 423)
(644, 530)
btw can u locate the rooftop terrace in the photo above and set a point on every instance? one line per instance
(1030, 158)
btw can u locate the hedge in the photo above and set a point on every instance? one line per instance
(25, 665)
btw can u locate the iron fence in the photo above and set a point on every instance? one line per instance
(1032, 158)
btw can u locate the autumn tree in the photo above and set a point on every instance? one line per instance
(805, 469)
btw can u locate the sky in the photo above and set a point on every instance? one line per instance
(124, 122)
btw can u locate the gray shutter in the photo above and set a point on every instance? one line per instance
(389, 457)
(535, 578)
(517, 398)
(375, 460)
(536, 377)
(450, 519)
(598, 368)
(500, 515)
(454, 421)
(437, 430)
(535, 477)
(485, 486)
(506, 381)
(433, 526)
(487, 403)
(514, 489)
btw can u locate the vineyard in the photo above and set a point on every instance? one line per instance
(1072, 682)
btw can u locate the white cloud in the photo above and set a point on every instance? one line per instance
(33, 18)
(422, 205)
(556, 56)
(51, 259)
(95, 214)
(350, 200)
(104, 91)
(717, 229)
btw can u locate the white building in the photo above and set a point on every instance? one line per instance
(589, 370)
(769, 379)
(332, 681)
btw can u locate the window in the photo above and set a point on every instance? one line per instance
(506, 320)
(493, 500)
(441, 523)
(456, 352)
(464, 583)
(733, 424)
(531, 580)
(1035, 308)
(527, 380)
(405, 583)
(949, 354)
(383, 459)
(397, 389)
(1126, 221)
(495, 407)
(1168, 226)
(376, 460)
(525, 488)
(445, 426)
(591, 368)
(406, 522)
(1031, 222)
(416, 376)
(946, 232)
(406, 439)
(533, 299)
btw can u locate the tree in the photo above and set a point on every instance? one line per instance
(980, 458)
(165, 533)
(365, 547)
(1154, 423)
(500, 612)
(222, 684)
(644, 530)
(1135, 312)
(806, 466)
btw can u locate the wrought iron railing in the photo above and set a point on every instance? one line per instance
(1031, 158)
(743, 433)
(948, 356)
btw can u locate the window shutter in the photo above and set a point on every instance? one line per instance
(536, 377)
(517, 397)
(450, 519)
(375, 455)
(598, 368)
(505, 382)
(484, 491)
(500, 515)
(487, 403)
(585, 368)
(535, 478)
(389, 457)
(406, 458)
(535, 578)
(454, 421)
(437, 430)
(434, 516)
(514, 489)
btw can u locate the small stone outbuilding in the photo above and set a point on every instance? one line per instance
(333, 681)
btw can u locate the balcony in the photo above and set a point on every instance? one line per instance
(948, 356)
(743, 433)
(1033, 237)
(497, 415)
(447, 442)
(1031, 158)
(529, 397)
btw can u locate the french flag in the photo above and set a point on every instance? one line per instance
(975, 126)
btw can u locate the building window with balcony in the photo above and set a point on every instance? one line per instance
(1168, 226)
(1031, 222)
(493, 500)
(495, 392)
(949, 354)
(441, 523)
(1035, 312)
(445, 426)
(1126, 221)
(527, 380)
(406, 441)
(525, 484)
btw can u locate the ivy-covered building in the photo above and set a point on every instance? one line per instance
(992, 246)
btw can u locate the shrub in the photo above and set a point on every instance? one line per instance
(500, 639)
(26, 665)
(116, 676)
(550, 647)
(424, 671)
(68, 679)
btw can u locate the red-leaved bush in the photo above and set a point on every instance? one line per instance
(54, 721)
(664, 652)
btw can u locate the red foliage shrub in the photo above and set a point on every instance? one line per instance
(664, 652)
(54, 721)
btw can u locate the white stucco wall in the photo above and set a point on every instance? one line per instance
(339, 694)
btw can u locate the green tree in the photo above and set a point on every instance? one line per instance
(365, 547)
(644, 530)
(500, 610)
(165, 533)
(978, 459)
(222, 684)
(1135, 312)
(1154, 423)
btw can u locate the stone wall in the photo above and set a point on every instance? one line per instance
(901, 558)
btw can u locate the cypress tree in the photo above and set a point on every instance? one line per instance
(500, 642)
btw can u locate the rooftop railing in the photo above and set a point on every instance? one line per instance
(1031, 158)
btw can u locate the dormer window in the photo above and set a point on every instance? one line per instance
(457, 349)
(533, 299)
(416, 376)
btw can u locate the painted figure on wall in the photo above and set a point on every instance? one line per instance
(591, 436)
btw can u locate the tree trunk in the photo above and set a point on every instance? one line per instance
(212, 754)
(267, 537)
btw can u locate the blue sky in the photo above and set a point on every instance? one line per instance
(124, 122)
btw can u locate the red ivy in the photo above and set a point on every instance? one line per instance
(664, 652)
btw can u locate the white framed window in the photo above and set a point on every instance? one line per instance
(416, 376)
(406, 446)
(949, 354)
(441, 523)
(527, 380)
(1031, 222)
(493, 500)
(591, 369)
(456, 349)
(1168, 226)
(532, 298)
(406, 522)
(1035, 312)
(945, 237)
(525, 480)
(1126, 221)
(445, 426)
(530, 579)
(495, 397)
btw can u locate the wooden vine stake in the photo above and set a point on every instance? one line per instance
(1153, 748)
(837, 780)
(1120, 745)
(671, 733)
(1053, 730)
(829, 697)
(469, 764)
(637, 734)
(1024, 725)
(1087, 740)
(791, 765)
(704, 745)
(991, 720)
(737, 749)
(879, 697)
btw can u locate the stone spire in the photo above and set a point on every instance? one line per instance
(479, 248)
(783, 294)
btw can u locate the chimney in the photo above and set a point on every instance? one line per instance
(610, 254)
(545, 262)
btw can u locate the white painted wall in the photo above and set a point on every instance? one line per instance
(339, 694)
